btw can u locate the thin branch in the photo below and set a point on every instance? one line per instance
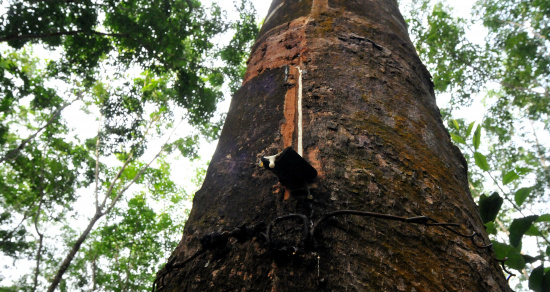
(57, 2)
(138, 175)
(52, 1)
(40, 246)
(70, 256)
(539, 147)
(526, 89)
(525, 27)
(504, 193)
(38, 260)
(76, 246)
(113, 182)
(100, 213)
(543, 163)
(94, 274)
(473, 188)
(502, 227)
(111, 187)
(128, 269)
(97, 166)
(15, 152)
(61, 33)
(11, 232)
(40, 235)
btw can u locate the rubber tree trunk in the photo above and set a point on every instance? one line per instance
(341, 80)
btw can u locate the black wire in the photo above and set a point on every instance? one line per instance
(305, 229)
(215, 240)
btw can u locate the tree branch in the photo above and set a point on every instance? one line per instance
(96, 191)
(100, 213)
(76, 247)
(538, 146)
(526, 89)
(11, 232)
(525, 27)
(61, 33)
(15, 152)
(94, 274)
(40, 234)
(40, 246)
(136, 177)
(112, 186)
(497, 183)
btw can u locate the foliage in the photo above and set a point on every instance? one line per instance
(454, 61)
(95, 96)
(508, 75)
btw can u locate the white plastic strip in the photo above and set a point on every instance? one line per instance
(300, 147)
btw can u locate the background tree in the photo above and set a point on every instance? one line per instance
(136, 72)
(341, 81)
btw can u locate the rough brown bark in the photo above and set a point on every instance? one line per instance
(372, 130)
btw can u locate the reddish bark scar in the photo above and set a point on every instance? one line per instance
(287, 129)
(313, 158)
(279, 50)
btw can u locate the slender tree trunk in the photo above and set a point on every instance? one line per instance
(72, 253)
(342, 79)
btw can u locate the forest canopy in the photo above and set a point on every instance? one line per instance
(143, 79)
(147, 77)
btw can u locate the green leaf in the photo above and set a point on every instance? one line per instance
(477, 137)
(501, 249)
(548, 250)
(491, 228)
(546, 281)
(536, 279)
(544, 218)
(455, 124)
(458, 138)
(532, 231)
(523, 170)
(519, 227)
(515, 259)
(489, 207)
(481, 161)
(521, 195)
(509, 177)
(469, 130)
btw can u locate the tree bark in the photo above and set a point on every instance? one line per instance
(371, 128)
